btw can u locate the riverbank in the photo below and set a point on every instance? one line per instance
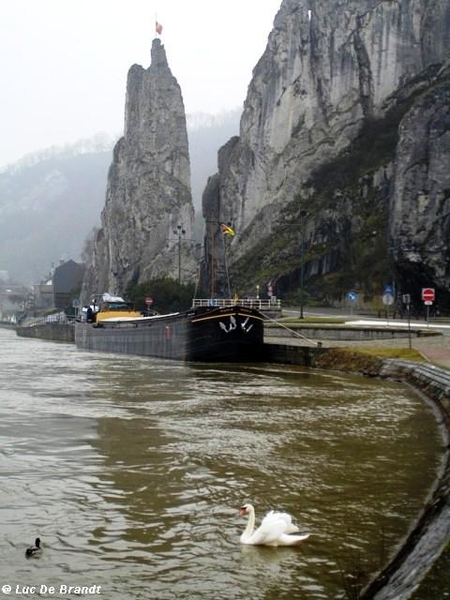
(429, 536)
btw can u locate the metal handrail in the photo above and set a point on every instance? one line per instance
(49, 319)
(260, 304)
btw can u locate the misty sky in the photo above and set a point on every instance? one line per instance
(64, 62)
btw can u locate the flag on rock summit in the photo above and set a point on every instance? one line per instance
(158, 28)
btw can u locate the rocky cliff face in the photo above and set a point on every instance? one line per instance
(147, 222)
(420, 201)
(320, 173)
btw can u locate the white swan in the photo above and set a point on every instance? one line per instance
(276, 529)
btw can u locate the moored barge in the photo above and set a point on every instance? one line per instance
(233, 333)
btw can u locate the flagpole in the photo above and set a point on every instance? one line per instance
(226, 265)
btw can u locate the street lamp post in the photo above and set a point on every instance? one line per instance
(179, 231)
(303, 215)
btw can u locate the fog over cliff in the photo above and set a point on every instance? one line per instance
(51, 200)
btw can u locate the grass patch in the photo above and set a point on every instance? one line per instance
(312, 321)
(399, 353)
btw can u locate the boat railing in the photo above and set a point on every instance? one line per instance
(269, 304)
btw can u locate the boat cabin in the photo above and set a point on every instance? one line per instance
(115, 307)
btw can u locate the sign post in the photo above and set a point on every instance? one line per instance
(76, 305)
(148, 302)
(388, 299)
(428, 297)
(352, 296)
(407, 300)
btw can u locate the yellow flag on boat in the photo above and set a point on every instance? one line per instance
(227, 230)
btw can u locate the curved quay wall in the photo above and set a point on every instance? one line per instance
(431, 533)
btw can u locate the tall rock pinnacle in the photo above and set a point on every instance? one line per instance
(148, 195)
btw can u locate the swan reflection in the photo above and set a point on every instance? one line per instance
(267, 555)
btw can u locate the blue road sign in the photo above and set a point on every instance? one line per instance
(352, 296)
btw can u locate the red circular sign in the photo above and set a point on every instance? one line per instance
(149, 301)
(428, 294)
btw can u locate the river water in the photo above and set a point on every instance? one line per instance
(132, 470)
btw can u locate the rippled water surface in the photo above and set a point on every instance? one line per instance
(131, 470)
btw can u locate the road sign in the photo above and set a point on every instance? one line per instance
(389, 290)
(428, 295)
(406, 298)
(388, 299)
(149, 301)
(352, 296)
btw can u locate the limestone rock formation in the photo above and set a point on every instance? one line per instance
(147, 222)
(316, 155)
(420, 201)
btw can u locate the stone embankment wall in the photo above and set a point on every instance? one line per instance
(430, 534)
(342, 333)
(54, 332)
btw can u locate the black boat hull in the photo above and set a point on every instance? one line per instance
(232, 334)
